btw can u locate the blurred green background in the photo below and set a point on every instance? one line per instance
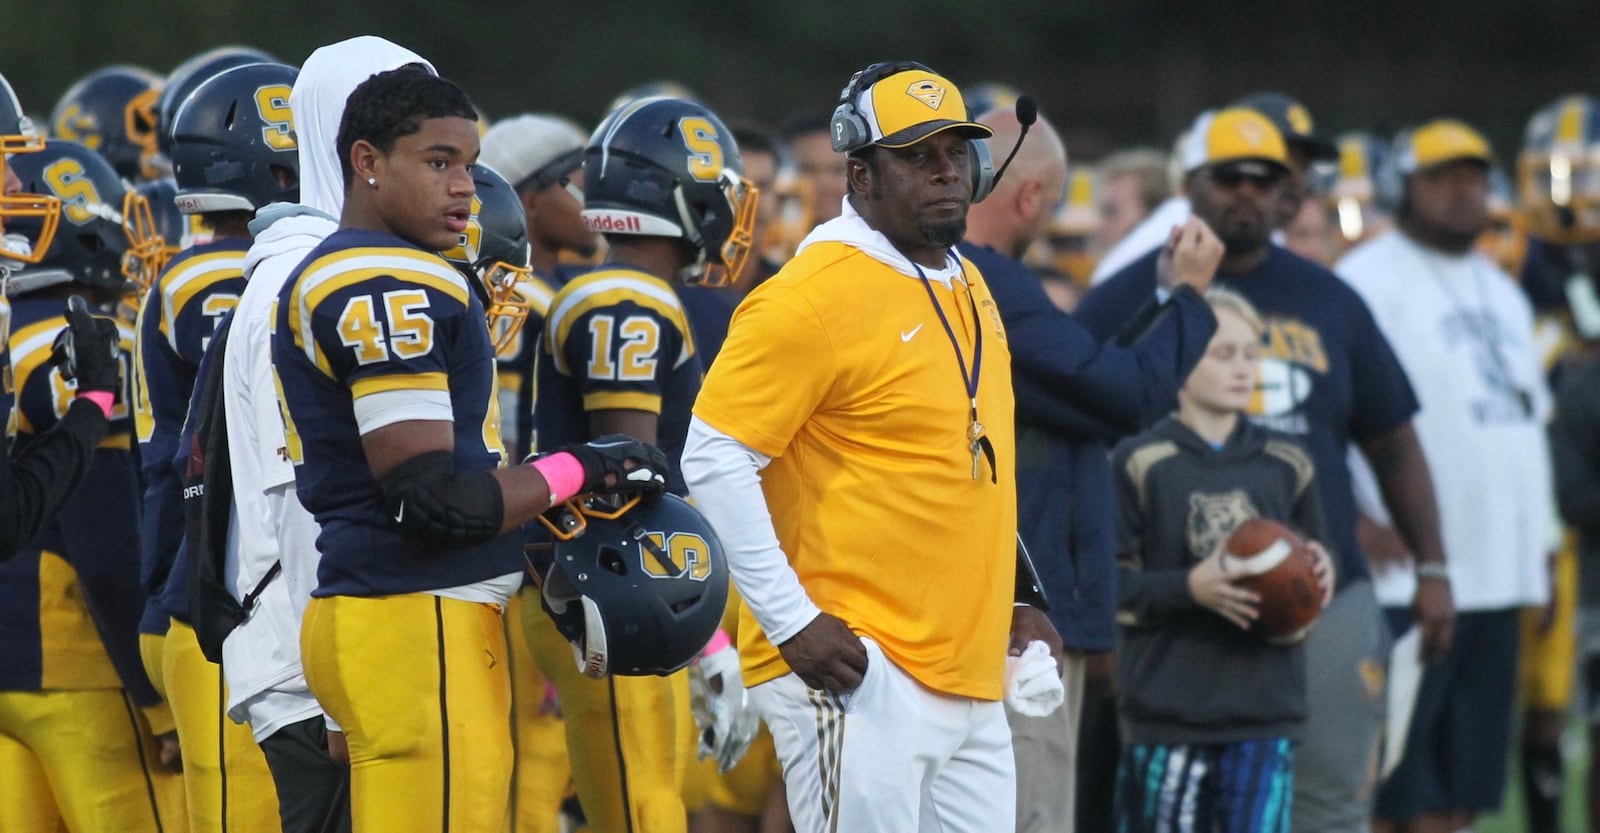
(1107, 73)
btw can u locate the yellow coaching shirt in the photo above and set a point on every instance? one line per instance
(840, 370)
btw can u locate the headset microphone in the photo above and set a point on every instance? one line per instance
(1027, 114)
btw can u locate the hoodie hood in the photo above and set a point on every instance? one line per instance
(1246, 440)
(327, 78)
(293, 234)
(851, 229)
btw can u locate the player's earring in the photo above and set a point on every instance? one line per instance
(373, 181)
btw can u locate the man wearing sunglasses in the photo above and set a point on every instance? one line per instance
(1328, 376)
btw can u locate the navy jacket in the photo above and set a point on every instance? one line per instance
(1075, 397)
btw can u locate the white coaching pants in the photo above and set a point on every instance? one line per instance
(891, 756)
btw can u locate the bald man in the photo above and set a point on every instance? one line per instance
(1074, 396)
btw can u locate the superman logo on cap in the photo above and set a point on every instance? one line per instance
(927, 92)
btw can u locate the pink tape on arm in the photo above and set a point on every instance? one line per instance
(104, 398)
(562, 473)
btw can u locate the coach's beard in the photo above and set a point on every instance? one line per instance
(944, 233)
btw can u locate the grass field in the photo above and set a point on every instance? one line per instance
(1510, 819)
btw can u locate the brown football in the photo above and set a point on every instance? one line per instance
(1278, 565)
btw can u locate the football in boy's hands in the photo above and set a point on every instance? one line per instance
(1266, 557)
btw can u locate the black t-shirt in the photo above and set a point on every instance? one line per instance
(1327, 374)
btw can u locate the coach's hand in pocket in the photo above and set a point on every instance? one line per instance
(826, 655)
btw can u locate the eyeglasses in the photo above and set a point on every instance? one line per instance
(1230, 178)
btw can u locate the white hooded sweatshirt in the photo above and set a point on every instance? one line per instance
(266, 684)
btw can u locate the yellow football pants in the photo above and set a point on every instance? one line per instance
(542, 773)
(151, 650)
(420, 686)
(1550, 659)
(622, 737)
(85, 754)
(226, 779)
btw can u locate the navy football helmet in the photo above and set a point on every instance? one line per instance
(1558, 171)
(89, 246)
(233, 142)
(1364, 186)
(36, 213)
(637, 590)
(187, 77)
(155, 228)
(112, 111)
(494, 252)
(667, 167)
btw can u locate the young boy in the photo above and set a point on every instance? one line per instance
(1209, 710)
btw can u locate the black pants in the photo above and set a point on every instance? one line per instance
(313, 789)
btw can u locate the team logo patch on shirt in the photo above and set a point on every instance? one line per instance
(926, 92)
(1213, 517)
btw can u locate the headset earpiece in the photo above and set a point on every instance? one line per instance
(847, 130)
(983, 179)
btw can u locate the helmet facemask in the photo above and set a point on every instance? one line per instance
(148, 251)
(43, 208)
(1561, 194)
(733, 251)
(506, 309)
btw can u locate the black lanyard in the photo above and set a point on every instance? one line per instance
(978, 441)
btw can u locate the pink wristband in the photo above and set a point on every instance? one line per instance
(719, 640)
(562, 473)
(104, 398)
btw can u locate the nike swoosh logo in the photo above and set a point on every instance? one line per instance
(400, 514)
(911, 334)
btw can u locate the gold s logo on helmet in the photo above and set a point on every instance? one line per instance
(927, 92)
(467, 242)
(80, 200)
(705, 149)
(1299, 119)
(687, 552)
(77, 126)
(272, 103)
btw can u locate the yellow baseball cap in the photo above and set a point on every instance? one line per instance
(1438, 142)
(1232, 134)
(907, 107)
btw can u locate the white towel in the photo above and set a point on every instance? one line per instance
(1033, 683)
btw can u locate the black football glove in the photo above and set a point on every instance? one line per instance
(611, 456)
(89, 350)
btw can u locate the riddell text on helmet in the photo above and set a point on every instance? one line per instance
(612, 222)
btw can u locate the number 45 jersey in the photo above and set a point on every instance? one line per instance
(371, 331)
(617, 339)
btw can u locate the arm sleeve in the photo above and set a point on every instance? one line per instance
(724, 477)
(1143, 595)
(37, 481)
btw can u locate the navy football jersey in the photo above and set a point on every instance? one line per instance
(617, 339)
(76, 584)
(371, 331)
(180, 312)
